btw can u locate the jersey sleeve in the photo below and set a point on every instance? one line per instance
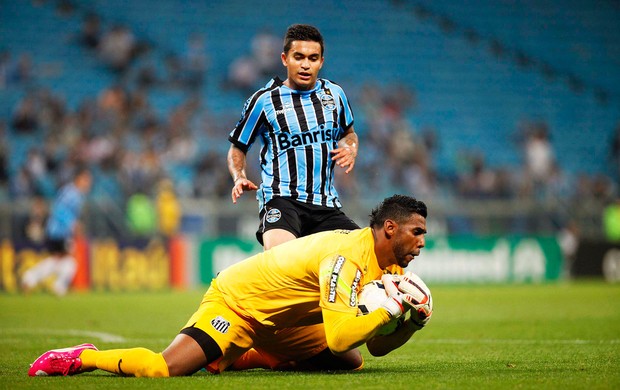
(249, 125)
(344, 332)
(340, 283)
(346, 113)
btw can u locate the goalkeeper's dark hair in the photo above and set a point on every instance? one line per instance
(302, 32)
(398, 208)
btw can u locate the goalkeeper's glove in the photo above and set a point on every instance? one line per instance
(397, 302)
(422, 300)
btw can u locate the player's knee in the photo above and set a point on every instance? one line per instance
(352, 360)
(347, 361)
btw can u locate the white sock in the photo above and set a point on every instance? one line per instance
(65, 271)
(41, 271)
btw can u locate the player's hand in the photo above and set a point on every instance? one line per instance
(421, 301)
(345, 156)
(420, 315)
(397, 303)
(242, 184)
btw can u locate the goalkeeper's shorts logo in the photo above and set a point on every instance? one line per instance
(273, 215)
(220, 324)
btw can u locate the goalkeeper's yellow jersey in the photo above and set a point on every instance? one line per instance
(290, 284)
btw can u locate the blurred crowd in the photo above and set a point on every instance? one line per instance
(132, 147)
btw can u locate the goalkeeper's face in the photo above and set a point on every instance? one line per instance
(303, 62)
(409, 239)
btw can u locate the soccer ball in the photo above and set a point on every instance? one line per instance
(370, 299)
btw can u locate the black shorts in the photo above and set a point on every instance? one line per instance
(301, 219)
(56, 246)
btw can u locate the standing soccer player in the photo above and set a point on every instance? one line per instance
(59, 231)
(305, 125)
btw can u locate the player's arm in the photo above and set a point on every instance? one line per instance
(382, 345)
(347, 149)
(345, 331)
(241, 137)
(236, 166)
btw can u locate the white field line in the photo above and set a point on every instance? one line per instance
(113, 338)
(101, 336)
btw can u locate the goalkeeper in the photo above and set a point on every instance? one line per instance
(302, 282)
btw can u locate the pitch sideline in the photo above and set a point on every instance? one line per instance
(101, 336)
(114, 338)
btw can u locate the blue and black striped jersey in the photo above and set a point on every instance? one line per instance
(64, 212)
(297, 129)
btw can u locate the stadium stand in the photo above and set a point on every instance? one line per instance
(472, 79)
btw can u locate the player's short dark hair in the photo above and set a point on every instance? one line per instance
(302, 32)
(398, 208)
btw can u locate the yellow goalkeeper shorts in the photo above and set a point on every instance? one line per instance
(235, 334)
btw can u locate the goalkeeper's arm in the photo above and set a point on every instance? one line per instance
(346, 331)
(382, 345)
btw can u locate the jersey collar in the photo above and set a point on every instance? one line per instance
(279, 82)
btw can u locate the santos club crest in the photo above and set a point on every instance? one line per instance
(220, 324)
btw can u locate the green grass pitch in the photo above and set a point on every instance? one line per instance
(550, 336)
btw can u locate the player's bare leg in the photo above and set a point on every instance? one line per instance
(184, 356)
(275, 237)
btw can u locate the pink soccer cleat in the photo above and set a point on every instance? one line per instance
(64, 361)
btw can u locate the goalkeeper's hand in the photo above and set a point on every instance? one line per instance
(397, 303)
(422, 300)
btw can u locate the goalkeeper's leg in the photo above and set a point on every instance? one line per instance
(184, 356)
(326, 361)
(301, 348)
(254, 359)
(323, 361)
(139, 362)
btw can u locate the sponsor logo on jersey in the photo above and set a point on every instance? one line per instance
(287, 107)
(288, 140)
(273, 215)
(220, 324)
(354, 286)
(333, 280)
